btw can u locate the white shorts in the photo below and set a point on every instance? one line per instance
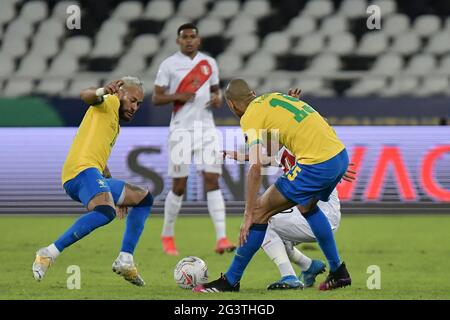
(187, 147)
(293, 227)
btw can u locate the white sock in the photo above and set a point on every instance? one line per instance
(274, 248)
(126, 257)
(172, 207)
(53, 250)
(216, 208)
(297, 257)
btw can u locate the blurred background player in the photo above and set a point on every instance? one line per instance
(86, 178)
(189, 80)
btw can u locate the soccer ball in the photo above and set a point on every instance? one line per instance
(190, 271)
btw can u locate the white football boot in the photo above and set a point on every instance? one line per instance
(43, 261)
(125, 267)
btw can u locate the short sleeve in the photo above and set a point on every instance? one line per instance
(215, 73)
(162, 77)
(252, 128)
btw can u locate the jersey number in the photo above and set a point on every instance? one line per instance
(293, 173)
(299, 113)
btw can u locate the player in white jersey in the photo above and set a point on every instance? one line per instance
(189, 80)
(290, 228)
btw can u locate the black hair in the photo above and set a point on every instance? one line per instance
(187, 26)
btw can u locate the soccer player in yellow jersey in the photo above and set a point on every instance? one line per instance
(321, 163)
(86, 178)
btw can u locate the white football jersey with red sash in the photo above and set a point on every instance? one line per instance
(180, 73)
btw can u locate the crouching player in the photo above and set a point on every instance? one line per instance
(86, 178)
(289, 228)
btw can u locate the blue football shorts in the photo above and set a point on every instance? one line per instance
(304, 183)
(90, 182)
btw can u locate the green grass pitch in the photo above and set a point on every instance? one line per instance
(413, 253)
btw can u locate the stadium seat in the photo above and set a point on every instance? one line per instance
(318, 8)
(276, 84)
(387, 64)
(276, 43)
(78, 46)
(79, 84)
(243, 44)
(34, 11)
(400, 86)
(52, 87)
(444, 66)
(439, 43)
(210, 26)
(7, 65)
(229, 64)
(225, 9)
(256, 8)
(44, 46)
(433, 85)
(407, 43)
(192, 9)
(159, 10)
(241, 25)
(19, 29)
(14, 47)
(7, 13)
(258, 63)
(324, 64)
(396, 24)
(300, 26)
(421, 64)
(171, 26)
(333, 25)
(130, 64)
(145, 45)
(51, 28)
(313, 86)
(366, 87)
(353, 8)
(427, 25)
(342, 43)
(64, 65)
(18, 87)
(127, 11)
(32, 67)
(372, 44)
(107, 47)
(310, 44)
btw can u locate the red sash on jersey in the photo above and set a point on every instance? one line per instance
(193, 81)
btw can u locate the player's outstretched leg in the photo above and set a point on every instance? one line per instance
(45, 257)
(276, 251)
(124, 264)
(230, 280)
(339, 276)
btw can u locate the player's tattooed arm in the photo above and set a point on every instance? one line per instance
(93, 96)
(160, 97)
(107, 173)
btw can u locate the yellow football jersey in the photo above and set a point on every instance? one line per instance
(300, 128)
(94, 139)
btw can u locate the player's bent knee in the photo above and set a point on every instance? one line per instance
(310, 212)
(147, 201)
(108, 211)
